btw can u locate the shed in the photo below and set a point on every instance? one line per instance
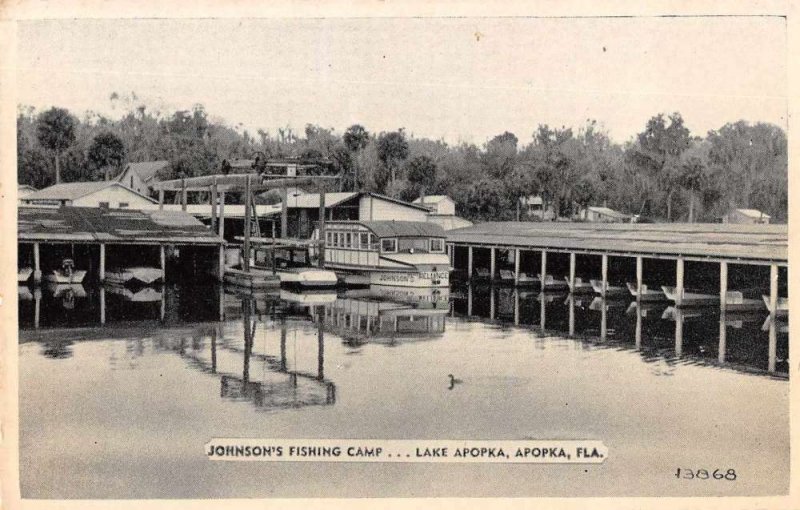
(108, 194)
(746, 216)
(439, 204)
(603, 215)
(140, 176)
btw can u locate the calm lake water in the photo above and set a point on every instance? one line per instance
(120, 390)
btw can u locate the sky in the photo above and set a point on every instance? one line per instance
(456, 79)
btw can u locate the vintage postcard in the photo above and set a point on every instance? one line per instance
(292, 253)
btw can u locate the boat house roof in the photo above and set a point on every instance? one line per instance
(99, 225)
(76, 190)
(389, 228)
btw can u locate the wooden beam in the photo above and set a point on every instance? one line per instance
(237, 182)
(247, 212)
(321, 226)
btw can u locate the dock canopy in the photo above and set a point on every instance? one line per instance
(100, 225)
(403, 228)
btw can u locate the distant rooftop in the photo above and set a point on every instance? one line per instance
(431, 199)
(146, 170)
(75, 190)
(753, 213)
(606, 211)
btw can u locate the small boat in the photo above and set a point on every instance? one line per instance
(579, 285)
(25, 293)
(690, 298)
(676, 314)
(646, 294)
(551, 283)
(736, 302)
(597, 304)
(59, 290)
(482, 273)
(782, 309)
(611, 290)
(66, 274)
(253, 279)
(141, 274)
(24, 274)
(142, 295)
(292, 264)
(308, 298)
(780, 326)
(526, 279)
(507, 276)
(307, 277)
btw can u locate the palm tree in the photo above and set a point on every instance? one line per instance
(55, 130)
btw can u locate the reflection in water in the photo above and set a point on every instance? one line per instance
(202, 362)
(660, 332)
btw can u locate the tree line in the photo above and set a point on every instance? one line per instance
(664, 173)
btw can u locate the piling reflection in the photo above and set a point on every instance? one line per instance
(661, 333)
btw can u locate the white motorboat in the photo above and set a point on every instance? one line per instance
(736, 302)
(137, 274)
(67, 274)
(579, 285)
(611, 290)
(24, 274)
(551, 283)
(782, 309)
(646, 294)
(690, 298)
(142, 295)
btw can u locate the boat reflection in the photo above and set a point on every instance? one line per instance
(734, 339)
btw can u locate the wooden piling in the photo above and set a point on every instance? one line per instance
(321, 244)
(214, 206)
(773, 289)
(543, 270)
(492, 262)
(222, 215)
(37, 269)
(469, 262)
(604, 274)
(573, 262)
(679, 281)
(247, 220)
(723, 285)
(102, 272)
(639, 275)
(517, 255)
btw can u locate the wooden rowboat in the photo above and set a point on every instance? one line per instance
(141, 274)
(611, 290)
(579, 285)
(690, 298)
(646, 294)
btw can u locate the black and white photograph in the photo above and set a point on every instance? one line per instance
(387, 255)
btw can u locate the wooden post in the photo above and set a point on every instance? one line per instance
(163, 257)
(183, 195)
(492, 261)
(543, 269)
(679, 281)
(773, 289)
(573, 262)
(604, 274)
(214, 206)
(678, 332)
(102, 305)
(160, 199)
(491, 303)
(638, 338)
(102, 262)
(221, 263)
(285, 212)
(542, 312)
(723, 337)
(469, 263)
(639, 275)
(516, 307)
(37, 269)
(321, 347)
(469, 301)
(247, 220)
(772, 348)
(222, 215)
(571, 326)
(723, 285)
(321, 257)
(603, 317)
(517, 255)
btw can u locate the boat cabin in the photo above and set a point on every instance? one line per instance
(366, 243)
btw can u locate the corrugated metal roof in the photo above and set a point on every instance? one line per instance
(76, 190)
(723, 240)
(311, 200)
(94, 224)
(608, 212)
(403, 228)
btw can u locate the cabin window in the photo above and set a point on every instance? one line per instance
(329, 238)
(437, 245)
(103, 204)
(389, 245)
(123, 205)
(348, 240)
(364, 239)
(415, 244)
(373, 242)
(338, 239)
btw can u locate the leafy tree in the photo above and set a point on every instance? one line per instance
(356, 139)
(55, 131)
(392, 151)
(107, 152)
(421, 174)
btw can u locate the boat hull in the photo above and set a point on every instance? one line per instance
(254, 279)
(578, 286)
(144, 275)
(611, 290)
(24, 274)
(690, 299)
(439, 279)
(309, 278)
(646, 294)
(58, 276)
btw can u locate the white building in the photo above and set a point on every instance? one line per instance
(746, 216)
(141, 176)
(533, 207)
(23, 190)
(438, 204)
(110, 194)
(602, 215)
